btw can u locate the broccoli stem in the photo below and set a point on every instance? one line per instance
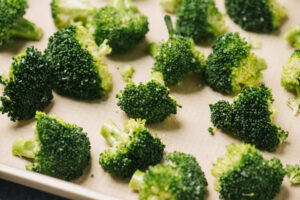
(137, 180)
(24, 148)
(169, 25)
(157, 76)
(23, 28)
(112, 134)
(121, 4)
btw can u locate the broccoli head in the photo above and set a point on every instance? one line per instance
(244, 174)
(256, 15)
(12, 23)
(177, 57)
(150, 101)
(293, 172)
(69, 12)
(250, 118)
(180, 179)
(231, 65)
(290, 79)
(59, 149)
(28, 87)
(170, 5)
(200, 20)
(76, 63)
(121, 23)
(293, 36)
(132, 149)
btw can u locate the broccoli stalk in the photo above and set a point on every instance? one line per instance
(25, 29)
(126, 73)
(293, 172)
(113, 134)
(170, 5)
(137, 180)
(25, 148)
(293, 36)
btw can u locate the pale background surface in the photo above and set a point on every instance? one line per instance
(187, 131)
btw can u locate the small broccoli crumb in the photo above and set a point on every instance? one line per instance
(211, 130)
(293, 172)
(92, 175)
(127, 72)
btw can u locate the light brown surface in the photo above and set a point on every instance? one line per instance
(187, 131)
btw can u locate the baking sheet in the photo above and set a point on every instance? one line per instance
(187, 131)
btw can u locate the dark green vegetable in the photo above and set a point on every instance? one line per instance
(76, 63)
(180, 179)
(200, 20)
(12, 23)
(250, 118)
(59, 149)
(177, 57)
(28, 87)
(132, 149)
(121, 23)
(244, 174)
(231, 65)
(256, 15)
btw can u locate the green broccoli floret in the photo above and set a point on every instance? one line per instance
(290, 79)
(293, 172)
(121, 23)
(170, 5)
(132, 149)
(69, 12)
(59, 149)
(177, 57)
(180, 179)
(28, 87)
(243, 174)
(231, 65)
(78, 70)
(150, 101)
(200, 20)
(250, 118)
(12, 23)
(256, 15)
(293, 36)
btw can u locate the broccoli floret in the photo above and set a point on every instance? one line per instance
(231, 65)
(170, 5)
(59, 149)
(150, 101)
(243, 174)
(69, 12)
(177, 57)
(121, 23)
(293, 36)
(132, 149)
(12, 23)
(290, 79)
(256, 15)
(28, 87)
(78, 70)
(250, 118)
(127, 72)
(200, 20)
(180, 179)
(293, 172)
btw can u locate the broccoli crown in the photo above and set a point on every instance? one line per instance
(132, 149)
(59, 149)
(76, 63)
(200, 20)
(181, 179)
(68, 12)
(231, 65)
(293, 172)
(243, 174)
(250, 118)
(121, 23)
(150, 101)
(177, 58)
(293, 36)
(256, 15)
(28, 87)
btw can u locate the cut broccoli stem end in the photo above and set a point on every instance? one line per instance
(169, 25)
(153, 49)
(170, 5)
(121, 4)
(25, 29)
(25, 148)
(112, 134)
(157, 76)
(137, 180)
(294, 104)
(293, 172)
(126, 73)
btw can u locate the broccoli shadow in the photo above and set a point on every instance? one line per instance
(190, 84)
(95, 101)
(15, 47)
(280, 149)
(138, 51)
(84, 176)
(171, 123)
(283, 195)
